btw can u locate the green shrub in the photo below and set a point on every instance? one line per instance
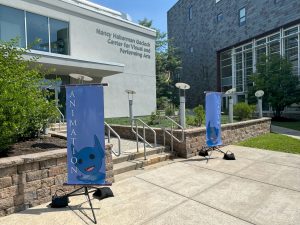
(154, 119)
(162, 103)
(170, 110)
(191, 120)
(199, 115)
(243, 111)
(23, 105)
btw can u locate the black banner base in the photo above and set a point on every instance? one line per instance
(207, 151)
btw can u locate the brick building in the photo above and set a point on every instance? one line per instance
(221, 40)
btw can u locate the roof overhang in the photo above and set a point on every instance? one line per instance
(64, 65)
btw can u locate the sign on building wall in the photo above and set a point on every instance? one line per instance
(213, 119)
(85, 134)
(135, 47)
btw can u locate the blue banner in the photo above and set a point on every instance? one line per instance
(85, 134)
(213, 119)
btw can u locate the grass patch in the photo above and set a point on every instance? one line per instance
(295, 125)
(274, 142)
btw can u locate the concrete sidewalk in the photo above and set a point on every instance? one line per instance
(260, 187)
(285, 131)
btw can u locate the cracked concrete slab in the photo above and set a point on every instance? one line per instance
(191, 212)
(253, 201)
(183, 179)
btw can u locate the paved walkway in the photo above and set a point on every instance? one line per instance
(260, 187)
(285, 131)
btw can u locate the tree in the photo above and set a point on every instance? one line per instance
(275, 77)
(167, 64)
(24, 108)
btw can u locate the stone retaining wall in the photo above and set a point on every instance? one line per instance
(30, 180)
(194, 138)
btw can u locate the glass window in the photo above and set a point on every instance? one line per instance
(274, 37)
(274, 47)
(59, 36)
(260, 52)
(220, 17)
(12, 24)
(226, 70)
(248, 69)
(291, 51)
(37, 29)
(291, 31)
(239, 49)
(248, 46)
(191, 13)
(242, 16)
(261, 41)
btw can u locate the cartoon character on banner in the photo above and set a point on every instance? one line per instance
(212, 135)
(89, 162)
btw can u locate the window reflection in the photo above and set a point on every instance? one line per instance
(59, 36)
(37, 29)
(12, 24)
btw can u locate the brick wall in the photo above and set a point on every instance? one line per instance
(30, 180)
(194, 139)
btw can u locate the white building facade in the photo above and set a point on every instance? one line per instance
(77, 36)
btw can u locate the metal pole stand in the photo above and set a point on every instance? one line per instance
(182, 111)
(260, 113)
(86, 193)
(211, 149)
(230, 113)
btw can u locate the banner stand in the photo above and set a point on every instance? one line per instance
(204, 151)
(85, 191)
(85, 140)
(213, 126)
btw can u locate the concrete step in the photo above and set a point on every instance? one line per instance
(62, 127)
(58, 124)
(59, 129)
(140, 162)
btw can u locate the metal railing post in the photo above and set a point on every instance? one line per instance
(118, 137)
(108, 134)
(144, 136)
(137, 136)
(62, 117)
(172, 136)
(164, 135)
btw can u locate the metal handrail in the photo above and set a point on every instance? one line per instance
(171, 133)
(61, 116)
(118, 137)
(138, 136)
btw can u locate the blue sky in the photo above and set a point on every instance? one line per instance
(155, 10)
